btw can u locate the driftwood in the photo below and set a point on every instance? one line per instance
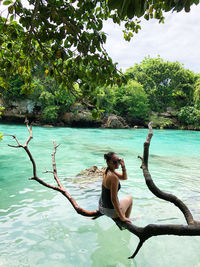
(192, 228)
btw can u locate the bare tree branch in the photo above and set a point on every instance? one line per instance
(14, 137)
(154, 189)
(143, 233)
(147, 144)
(54, 167)
(30, 132)
(137, 249)
(94, 214)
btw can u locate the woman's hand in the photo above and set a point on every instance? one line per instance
(124, 219)
(122, 163)
(123, 175)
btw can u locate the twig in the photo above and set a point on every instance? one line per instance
(54, 166)
(30, 132)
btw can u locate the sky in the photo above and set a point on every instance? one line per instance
(178, 39)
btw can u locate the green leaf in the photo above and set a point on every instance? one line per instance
(11, 9)
(7, 2)
(11, 18)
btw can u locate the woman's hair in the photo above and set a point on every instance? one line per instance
(108, 157)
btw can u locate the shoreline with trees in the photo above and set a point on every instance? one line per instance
(154, 90)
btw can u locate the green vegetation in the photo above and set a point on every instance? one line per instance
(131, 102)
(161, 122)
(167, 84)
(151, 89)
(1, 109)
(189, 115)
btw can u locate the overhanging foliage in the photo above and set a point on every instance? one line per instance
(68, 37)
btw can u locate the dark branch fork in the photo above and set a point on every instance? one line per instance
(143, 233)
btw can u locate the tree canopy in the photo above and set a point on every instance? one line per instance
(68, 37)
(166, 83)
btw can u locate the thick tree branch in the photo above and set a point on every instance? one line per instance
(143, 233)
(155, 190)
(147, 144)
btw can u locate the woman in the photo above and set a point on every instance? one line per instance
(109, 203)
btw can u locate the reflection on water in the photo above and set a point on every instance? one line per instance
(39, 227)
(109, 245)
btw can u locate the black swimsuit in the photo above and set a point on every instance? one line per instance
(105, 199)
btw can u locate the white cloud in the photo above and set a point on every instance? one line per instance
(178, 39)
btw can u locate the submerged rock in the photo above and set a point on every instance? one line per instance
(90, 175)
(93, 171)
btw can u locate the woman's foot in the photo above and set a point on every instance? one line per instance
(136, 217)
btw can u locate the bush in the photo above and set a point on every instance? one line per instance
(161, 122)
(50, 113)
(131, 101)
(189, 115)
(197, 93)
(14, 91)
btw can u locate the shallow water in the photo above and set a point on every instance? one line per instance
(39, 227)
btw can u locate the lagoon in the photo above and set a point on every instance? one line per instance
(39, 227)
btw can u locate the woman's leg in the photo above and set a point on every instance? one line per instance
(126, 205)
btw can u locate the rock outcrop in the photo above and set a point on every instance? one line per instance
(89, 176)
(78, 116)
(17, 111)
(115, 122)
(93, 171)
(80, 119)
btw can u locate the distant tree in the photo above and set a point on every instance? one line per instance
(53, 99)
(197, 93)
(104, 98)
(131, 101)
(183, 84)
(166, 83)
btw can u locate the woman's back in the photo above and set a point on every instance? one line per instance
(106, 191)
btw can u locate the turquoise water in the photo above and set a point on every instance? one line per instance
(39, 227)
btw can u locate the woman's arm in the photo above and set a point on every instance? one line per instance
(123, 175)
(114, 191)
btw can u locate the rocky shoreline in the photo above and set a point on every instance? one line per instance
(69, 120)
(16, 112)
(80, 117)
